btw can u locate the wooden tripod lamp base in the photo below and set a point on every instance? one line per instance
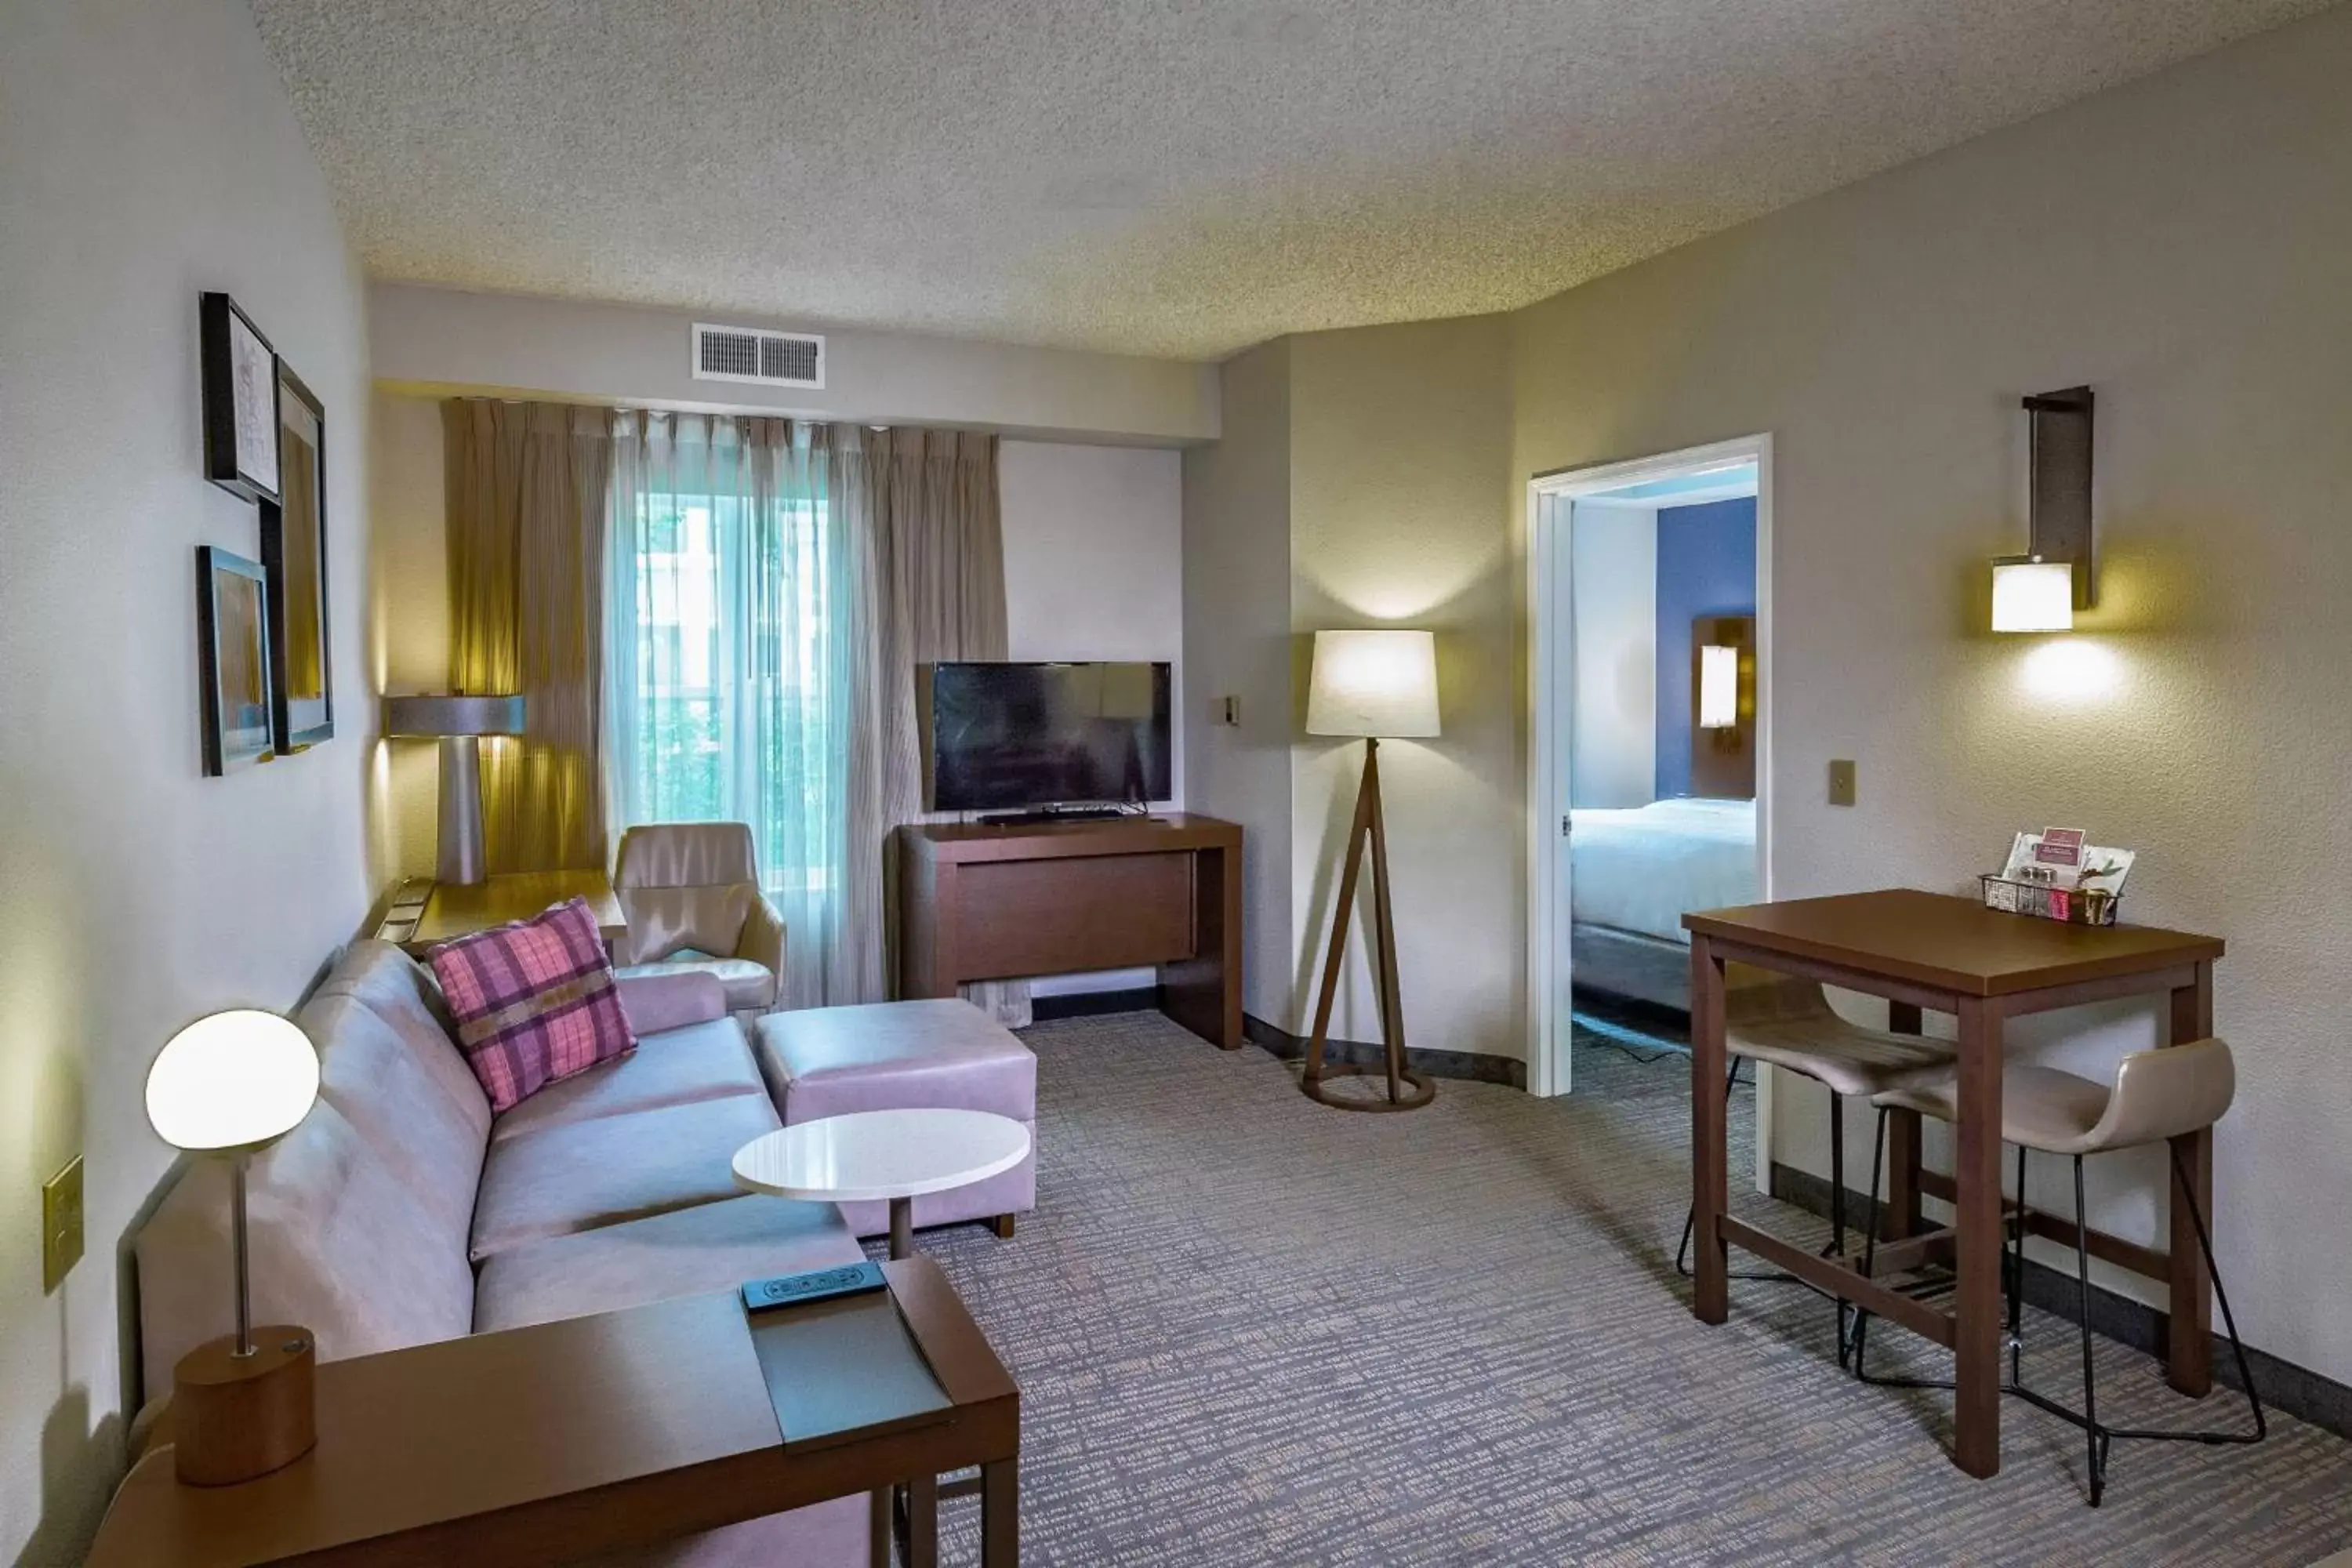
(1369, 683)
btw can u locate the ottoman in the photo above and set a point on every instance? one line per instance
(939, 1055)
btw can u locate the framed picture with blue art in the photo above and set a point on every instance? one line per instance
(233, 643)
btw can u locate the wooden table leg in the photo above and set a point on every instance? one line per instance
(923, 1522)
(1977, 1307)
(881, 1524)
(1902, 1213)
(1710, 1289)
(1000, 1514)
(2189, 1326)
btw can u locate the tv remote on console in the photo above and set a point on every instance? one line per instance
(794, 1290)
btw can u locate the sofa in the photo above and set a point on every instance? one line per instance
(401, 1212)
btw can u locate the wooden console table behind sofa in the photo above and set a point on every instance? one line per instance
(1005, 903)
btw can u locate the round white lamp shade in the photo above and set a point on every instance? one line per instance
(1382, 684)
(232, 1080)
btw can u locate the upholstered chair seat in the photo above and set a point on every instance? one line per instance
(690, 892)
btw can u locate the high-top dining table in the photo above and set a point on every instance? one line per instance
(1933, 953)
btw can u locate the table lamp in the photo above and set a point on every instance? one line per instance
(459, 723)
(230, 1085)
(1376, 685)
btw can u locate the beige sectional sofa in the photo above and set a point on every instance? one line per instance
(401, 1212)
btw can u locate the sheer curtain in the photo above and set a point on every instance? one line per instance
(772, 587)
(728, 629)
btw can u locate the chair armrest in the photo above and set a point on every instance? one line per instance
(656, 1002)
(763, 940)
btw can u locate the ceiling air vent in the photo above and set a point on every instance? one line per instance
(749, 353)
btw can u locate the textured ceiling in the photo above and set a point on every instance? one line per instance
(1183, 177)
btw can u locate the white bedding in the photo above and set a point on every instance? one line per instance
(1638, 870)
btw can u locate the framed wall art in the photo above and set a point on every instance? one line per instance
(294, 558)
(240, 389)
(233, 643)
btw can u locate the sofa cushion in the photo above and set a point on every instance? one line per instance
(711, 1246)
(533, 1001)
(679, 1067)
(749, 987)
(337, 1245)
(581, 1175)
(403, 994)
(367, 1072)
(896, 1056)
(662, 999)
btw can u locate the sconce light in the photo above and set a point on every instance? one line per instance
(1718, 687)
(2041, 591)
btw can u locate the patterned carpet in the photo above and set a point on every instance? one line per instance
(1249, 1329)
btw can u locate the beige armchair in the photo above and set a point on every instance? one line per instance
(690, 892)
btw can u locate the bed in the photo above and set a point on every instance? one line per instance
(1634, 871)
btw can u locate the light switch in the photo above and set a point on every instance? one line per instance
(1229, 711)
(60, 1225)
(1840, 781)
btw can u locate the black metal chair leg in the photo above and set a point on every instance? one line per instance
(2228, 1320)
(1869, 1242)
(2092, 1434)
(1690, 1219)
(2017, 1276)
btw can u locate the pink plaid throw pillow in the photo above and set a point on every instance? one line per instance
(534, 1001)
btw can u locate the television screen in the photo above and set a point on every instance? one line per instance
(1010, 736)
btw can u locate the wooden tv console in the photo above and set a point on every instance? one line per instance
(1009, 902)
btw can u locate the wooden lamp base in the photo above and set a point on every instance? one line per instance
(1408, 1089)
(235, 1417)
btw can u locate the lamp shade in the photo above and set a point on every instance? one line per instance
(232, 1080)
(432, 714)
(1382, 684)
(2031, 594)
(1718, 687)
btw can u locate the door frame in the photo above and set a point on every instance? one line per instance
(1551, 498)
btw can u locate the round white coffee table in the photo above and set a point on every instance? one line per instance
(894, 1155)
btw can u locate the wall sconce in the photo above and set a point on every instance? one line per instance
(2041, 591)
(1718, 687)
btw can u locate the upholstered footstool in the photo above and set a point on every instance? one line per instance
(944, 1055)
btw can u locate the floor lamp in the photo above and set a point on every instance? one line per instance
(1374, 685)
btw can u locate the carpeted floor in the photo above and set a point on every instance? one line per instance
(1249, 1329)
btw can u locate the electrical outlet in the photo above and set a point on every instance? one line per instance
(1840, 781)
(60, 1225)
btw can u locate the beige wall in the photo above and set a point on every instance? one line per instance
(1400, 453)
(149, 153)
(1237, 643)
(2179, 244)
(437, 339)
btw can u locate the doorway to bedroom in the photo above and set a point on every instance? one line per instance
(1649, 606)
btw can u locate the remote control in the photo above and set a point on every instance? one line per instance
(793, 1289)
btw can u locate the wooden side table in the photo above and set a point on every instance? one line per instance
(624, 1429)
(424, 913)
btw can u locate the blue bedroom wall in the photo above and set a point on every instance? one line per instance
(1707, 566)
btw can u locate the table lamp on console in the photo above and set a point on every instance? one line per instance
(1377, 685)
(230, 1085)
(460, 723)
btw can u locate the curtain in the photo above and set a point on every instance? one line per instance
(773, 585)
(526, 486)
(730, 622)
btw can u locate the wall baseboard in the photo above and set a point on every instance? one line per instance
(1093, 1004)
(2292, 1390)
(1471, 1067)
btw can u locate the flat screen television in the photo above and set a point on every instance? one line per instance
(1014, 737)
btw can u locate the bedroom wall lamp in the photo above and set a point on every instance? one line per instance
(1718, 687)
(2041, 590)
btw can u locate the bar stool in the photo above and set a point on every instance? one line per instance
(2157, 1096)
(1789, 1023)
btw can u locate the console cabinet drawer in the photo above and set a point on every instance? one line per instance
(1047, 917)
